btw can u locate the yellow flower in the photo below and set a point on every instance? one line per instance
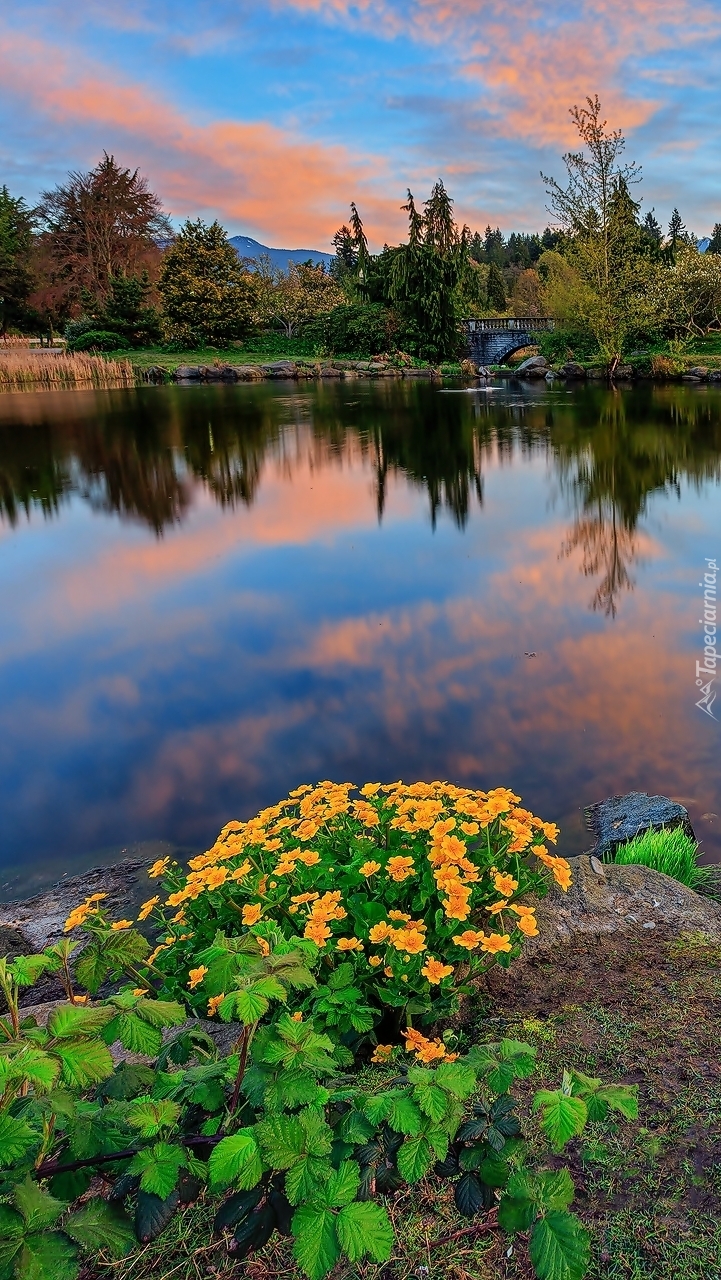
(382, 1053)
(435, 972)
(527, 925)
(121, 924)
(520, 910)
(349, 944)
(296, 1017)
(398, 915)
(154, 954)
(496, 942)
(470, 828)
(252, 912)
(425, 1050)
(399, 868)
(77, 917)
(241, 872)
(159, 868)
(304, 897)
(95, 897)
(215, 877)
(370, 868)
(469, 939)
(308, 857)
(410, 940)
(497, 906)
(562, 873)
(317, 931)
(179, 917)
(388, 971)
(505, 884)
(137, 991)
(370, 789)
(147, 907)
(195, 976)
(379, 932)
(214, 1004)
(272, 845)
(375, 961)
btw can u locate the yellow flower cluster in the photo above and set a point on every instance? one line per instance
(321, 911)
(426, 1050)
(81, 913)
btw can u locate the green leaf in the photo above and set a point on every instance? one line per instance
(236, 1159)
(134, 1034)
(270, 987)
(404, 1115)
(432, 1100)
(500, 1064)
(559, 1247)
(619, 1097)
(342, 1185)
(365, 1228)
(16, 1138)
(38, 1209)
(354, 1127)
(341, 977)
(249, 1006)
(68, 1186)
(27, 969)
(549, 1189)
(68, 1021)
(283, 1140)
(38, 1067)
(101, 1226)
(457, 1078)
(470, 1196)
(91, 967)
(12, 1231)
(236, 1208)
(150, 1117)
(307, 1178)
(152, 1214)
(83, 1062)
(415, 1158)
(128, 1080)
(47, 1256)
(562, 1117)
(315, 1244)
(494, 1171)
(159, 1167)
(516, 1214)
(161, 1013)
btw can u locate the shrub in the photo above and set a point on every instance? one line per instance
(96, 340)
(428, 883)
(363, 329)
(671, 851)
(278, 1132)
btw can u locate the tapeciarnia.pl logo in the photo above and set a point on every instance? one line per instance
(706, 673)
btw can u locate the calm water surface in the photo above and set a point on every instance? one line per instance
(209, 595)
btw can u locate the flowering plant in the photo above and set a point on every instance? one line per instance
(419, 888)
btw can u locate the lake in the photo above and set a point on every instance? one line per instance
(211, 594)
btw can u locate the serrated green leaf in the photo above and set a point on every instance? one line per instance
(134, 1034)
(160, 1013)
(364, 1228)
(27, 969)
(619, 1097)
(69, 1021)
(68, 1186)
(315, 1244)
(415, 1157)
(494, 1171)
(38, 1209)
(457, 1079)
(16, 1138)
(306, 1179)
(83, 1062)
(152, 1214)
(355, 1127)
(91, 968)
(236, 1160)
(342, 1185)
(128, 1080)
(100, 1226)
(270, 987)
(49, 1255)
(562, 1117)
(38, 1067)
(249, 1006)
(150, 1116)
(516, 1215)
(159, 1168)
(12, 1231)
(283, 1139)
(559, 1247)
(470, 1195)
(432, 1100)
(236, 1208)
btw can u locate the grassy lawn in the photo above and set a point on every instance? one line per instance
(640, 1010)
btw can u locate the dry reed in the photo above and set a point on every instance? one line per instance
(24, 370)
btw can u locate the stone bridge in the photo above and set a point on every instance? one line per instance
(494, 338)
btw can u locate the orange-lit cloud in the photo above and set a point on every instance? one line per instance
(256, 172)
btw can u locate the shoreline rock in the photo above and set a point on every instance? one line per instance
(35, 922)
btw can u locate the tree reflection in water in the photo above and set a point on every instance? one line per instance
(144, 455)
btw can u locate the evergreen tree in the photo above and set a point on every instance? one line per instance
(676, 233)
(360, 243)
(425, 272)
(715, 241)
(207, 293)
(496, 290)
(127, 312)
(652, 227)
(16, 237)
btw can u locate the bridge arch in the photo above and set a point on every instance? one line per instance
(493, 339)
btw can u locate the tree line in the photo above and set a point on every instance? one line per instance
(98, 259)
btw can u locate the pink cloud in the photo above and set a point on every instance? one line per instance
(256, 172)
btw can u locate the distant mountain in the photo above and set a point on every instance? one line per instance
(704, 244)
(247, 248)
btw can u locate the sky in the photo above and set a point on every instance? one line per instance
(273, 116)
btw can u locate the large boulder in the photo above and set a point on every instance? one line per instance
(40, 920)
(279, 369)
(607, 898)
(621, 818)
(188, 373)
(572, 370)
(533, 367)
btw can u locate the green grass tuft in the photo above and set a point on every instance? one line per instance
(671, 851)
